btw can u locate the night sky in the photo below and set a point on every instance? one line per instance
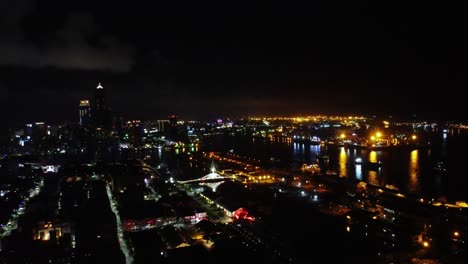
(206, 60)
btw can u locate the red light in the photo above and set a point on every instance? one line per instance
(128, 225)
(241, 213)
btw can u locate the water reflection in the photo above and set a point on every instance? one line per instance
(343, 162)
(373, 179)
(413, 172)
(296, 147)
(315, 149)
(373, 156)
(358, 172)
(406, 170)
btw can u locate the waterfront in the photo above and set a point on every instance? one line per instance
(388, 226)
(293, 210)
(411, 171)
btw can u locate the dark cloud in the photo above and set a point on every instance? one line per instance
(12, 14)
(71, 48)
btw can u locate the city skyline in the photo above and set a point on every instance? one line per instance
(209, 61)
(276, 132)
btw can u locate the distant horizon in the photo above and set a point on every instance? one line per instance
(390, 117)
(58, 100)
(6, 130)
(263, 60)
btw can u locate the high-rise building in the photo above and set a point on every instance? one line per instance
(173, 132)
(134, 133)
(176, 130)
(38, 133)
(162, 125)
(101, 111)
(85, 113)
(100, 98)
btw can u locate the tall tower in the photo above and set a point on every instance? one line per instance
(102, 114)
(100, 98)
(85, 113)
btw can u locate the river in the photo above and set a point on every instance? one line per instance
(411, 171)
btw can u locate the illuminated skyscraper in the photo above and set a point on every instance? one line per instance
(100, 98)
(85, 113)
(101, 111)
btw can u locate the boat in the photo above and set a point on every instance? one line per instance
(313, 168)
(312, 140)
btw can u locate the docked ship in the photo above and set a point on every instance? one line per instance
(305, 137)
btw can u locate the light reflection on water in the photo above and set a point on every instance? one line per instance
(410, 171)
(413, 172)
(343, 161)
(359, 172)
(372, 178)
(346, 158)
(373, 156)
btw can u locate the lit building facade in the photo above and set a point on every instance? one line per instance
(85, 113)
(55, 229)
(133, 133)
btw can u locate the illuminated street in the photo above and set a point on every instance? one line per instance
(122, 241)
(194, 132)
(13, 222)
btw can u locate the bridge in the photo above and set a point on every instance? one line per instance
(212, 185)
(211, 177)
(212, 180)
